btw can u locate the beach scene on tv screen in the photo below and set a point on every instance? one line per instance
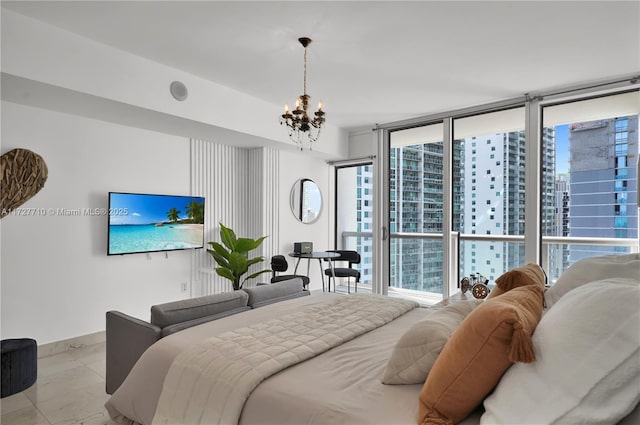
(143, 223)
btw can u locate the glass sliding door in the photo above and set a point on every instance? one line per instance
(489, 191)
(595, 175)
(416, 210)
(354, 215)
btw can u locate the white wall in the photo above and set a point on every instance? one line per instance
(362, 143)
(242, 192)
(43, 62)
(57, 281)
(295, 165)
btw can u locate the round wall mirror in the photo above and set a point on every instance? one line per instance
(306, 200)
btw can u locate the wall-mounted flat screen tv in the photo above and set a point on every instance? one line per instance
(140, 222)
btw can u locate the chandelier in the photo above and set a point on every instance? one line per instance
(303, 128)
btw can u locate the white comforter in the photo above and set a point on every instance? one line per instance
(341, 386)
(210, 382)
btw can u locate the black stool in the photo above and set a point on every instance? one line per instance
(19, 365)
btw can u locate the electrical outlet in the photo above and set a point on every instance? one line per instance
(184, 287)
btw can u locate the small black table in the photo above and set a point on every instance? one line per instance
(319, 255)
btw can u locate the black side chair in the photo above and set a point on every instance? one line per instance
(279, 264)
(351, 257)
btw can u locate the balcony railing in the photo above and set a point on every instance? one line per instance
(556, 250)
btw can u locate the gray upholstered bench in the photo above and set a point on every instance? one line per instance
(128, 337)
(280, 291)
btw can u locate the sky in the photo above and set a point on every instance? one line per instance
(132, 208)
(562, 149)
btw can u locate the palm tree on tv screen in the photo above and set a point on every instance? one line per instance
(173, 215)
(195, 211)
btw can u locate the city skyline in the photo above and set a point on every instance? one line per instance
(416, 205)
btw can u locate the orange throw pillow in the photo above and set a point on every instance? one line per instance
(489, 340)
(531, 274)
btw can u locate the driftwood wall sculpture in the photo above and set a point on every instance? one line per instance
(23, 175)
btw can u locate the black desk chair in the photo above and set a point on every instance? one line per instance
(351, 257)
(279, 264)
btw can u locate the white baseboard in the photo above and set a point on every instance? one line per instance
(58, 347)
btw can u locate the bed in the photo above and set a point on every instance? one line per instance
(343, 384)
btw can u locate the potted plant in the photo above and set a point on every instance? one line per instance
(233, 258)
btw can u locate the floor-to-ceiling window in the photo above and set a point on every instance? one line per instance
(595, 179)
(521, 175)
(354, 214)
(416, 208)
(489, 186)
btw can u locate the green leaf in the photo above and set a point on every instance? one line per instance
(255, 261)
(244, 245)
(248, 244)
(228, 237)
(257, 274)
(232, 256)
(238, 263)
(220, 249)
(226, 273)
(219, 258)
(259, 241)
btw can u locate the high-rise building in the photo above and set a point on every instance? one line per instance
(559, 253)
(416, 207)
(597, 198)
(548, 185)
(488, 191)
(493, 202)
(364, 215)
(603, 183)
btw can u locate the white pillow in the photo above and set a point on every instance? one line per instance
(417, 350)
(592, 269)
(588, 361)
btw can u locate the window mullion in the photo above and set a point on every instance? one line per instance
(533, 182)
(449, 262)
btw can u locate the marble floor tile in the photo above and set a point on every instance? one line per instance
(75, 405)
(99, 367)
(69, 390)
(14, 402)
(89, 353)
(94, 357)
(97, 419)
(47, 387)
(24, 416)
(55, 364)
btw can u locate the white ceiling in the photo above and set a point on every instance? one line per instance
(371, 61)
